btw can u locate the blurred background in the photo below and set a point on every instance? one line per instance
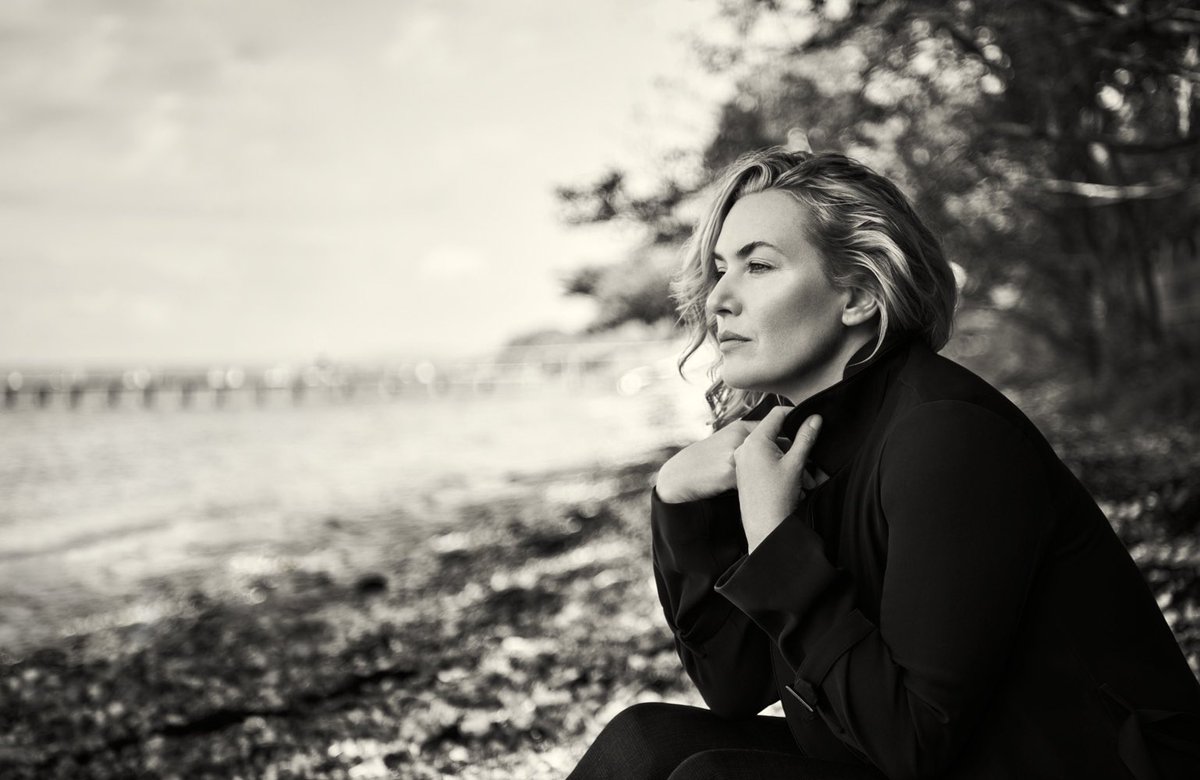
(337, 353)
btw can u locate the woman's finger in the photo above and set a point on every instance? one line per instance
(770, 425)
(805, 438)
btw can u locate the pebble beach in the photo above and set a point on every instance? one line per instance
(494, 645)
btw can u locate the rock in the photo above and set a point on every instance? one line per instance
(371, 584)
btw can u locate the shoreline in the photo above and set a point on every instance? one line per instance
(495, 647)
(442, 663)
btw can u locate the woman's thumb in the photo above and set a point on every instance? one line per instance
(805, 438)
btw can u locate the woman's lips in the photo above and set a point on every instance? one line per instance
(725, 344)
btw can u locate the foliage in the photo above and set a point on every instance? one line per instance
(1051, 144)
(636, 289)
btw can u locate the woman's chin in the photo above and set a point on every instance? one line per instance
(746, 383)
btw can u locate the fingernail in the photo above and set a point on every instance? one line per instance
(814, 422)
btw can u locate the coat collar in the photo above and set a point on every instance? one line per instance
(848, 409)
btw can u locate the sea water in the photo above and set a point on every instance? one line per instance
(99, 508)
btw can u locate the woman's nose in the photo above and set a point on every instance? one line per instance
(721, 298)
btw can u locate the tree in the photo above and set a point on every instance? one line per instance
(633, 290)
(1050, 143)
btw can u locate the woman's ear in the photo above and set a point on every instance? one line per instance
(860, 307)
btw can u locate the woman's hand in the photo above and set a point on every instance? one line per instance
(703, 469)
(769, 480)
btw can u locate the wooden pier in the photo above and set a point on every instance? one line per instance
(624, 366)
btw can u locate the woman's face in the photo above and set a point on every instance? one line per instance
(779, 320)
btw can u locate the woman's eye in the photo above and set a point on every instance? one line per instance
(718, 272)
(756, 267)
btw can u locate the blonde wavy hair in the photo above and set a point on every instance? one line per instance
(867, 235)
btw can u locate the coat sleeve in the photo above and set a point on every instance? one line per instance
(966, 507)
(725, 654)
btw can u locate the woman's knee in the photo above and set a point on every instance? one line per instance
(641, 741)
(707, 765)
(648, 713)
(647, 722)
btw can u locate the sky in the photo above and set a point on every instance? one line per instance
(183, 182)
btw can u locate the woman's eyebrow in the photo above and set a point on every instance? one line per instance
(745, 251)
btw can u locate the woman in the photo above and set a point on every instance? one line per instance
(900, 557)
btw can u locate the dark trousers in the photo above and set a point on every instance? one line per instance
(652, 741)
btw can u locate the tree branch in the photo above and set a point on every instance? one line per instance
(1111, 193)
(1017, 130)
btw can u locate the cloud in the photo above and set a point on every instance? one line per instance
(277, 170)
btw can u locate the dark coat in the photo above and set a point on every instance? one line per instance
(950, 603)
